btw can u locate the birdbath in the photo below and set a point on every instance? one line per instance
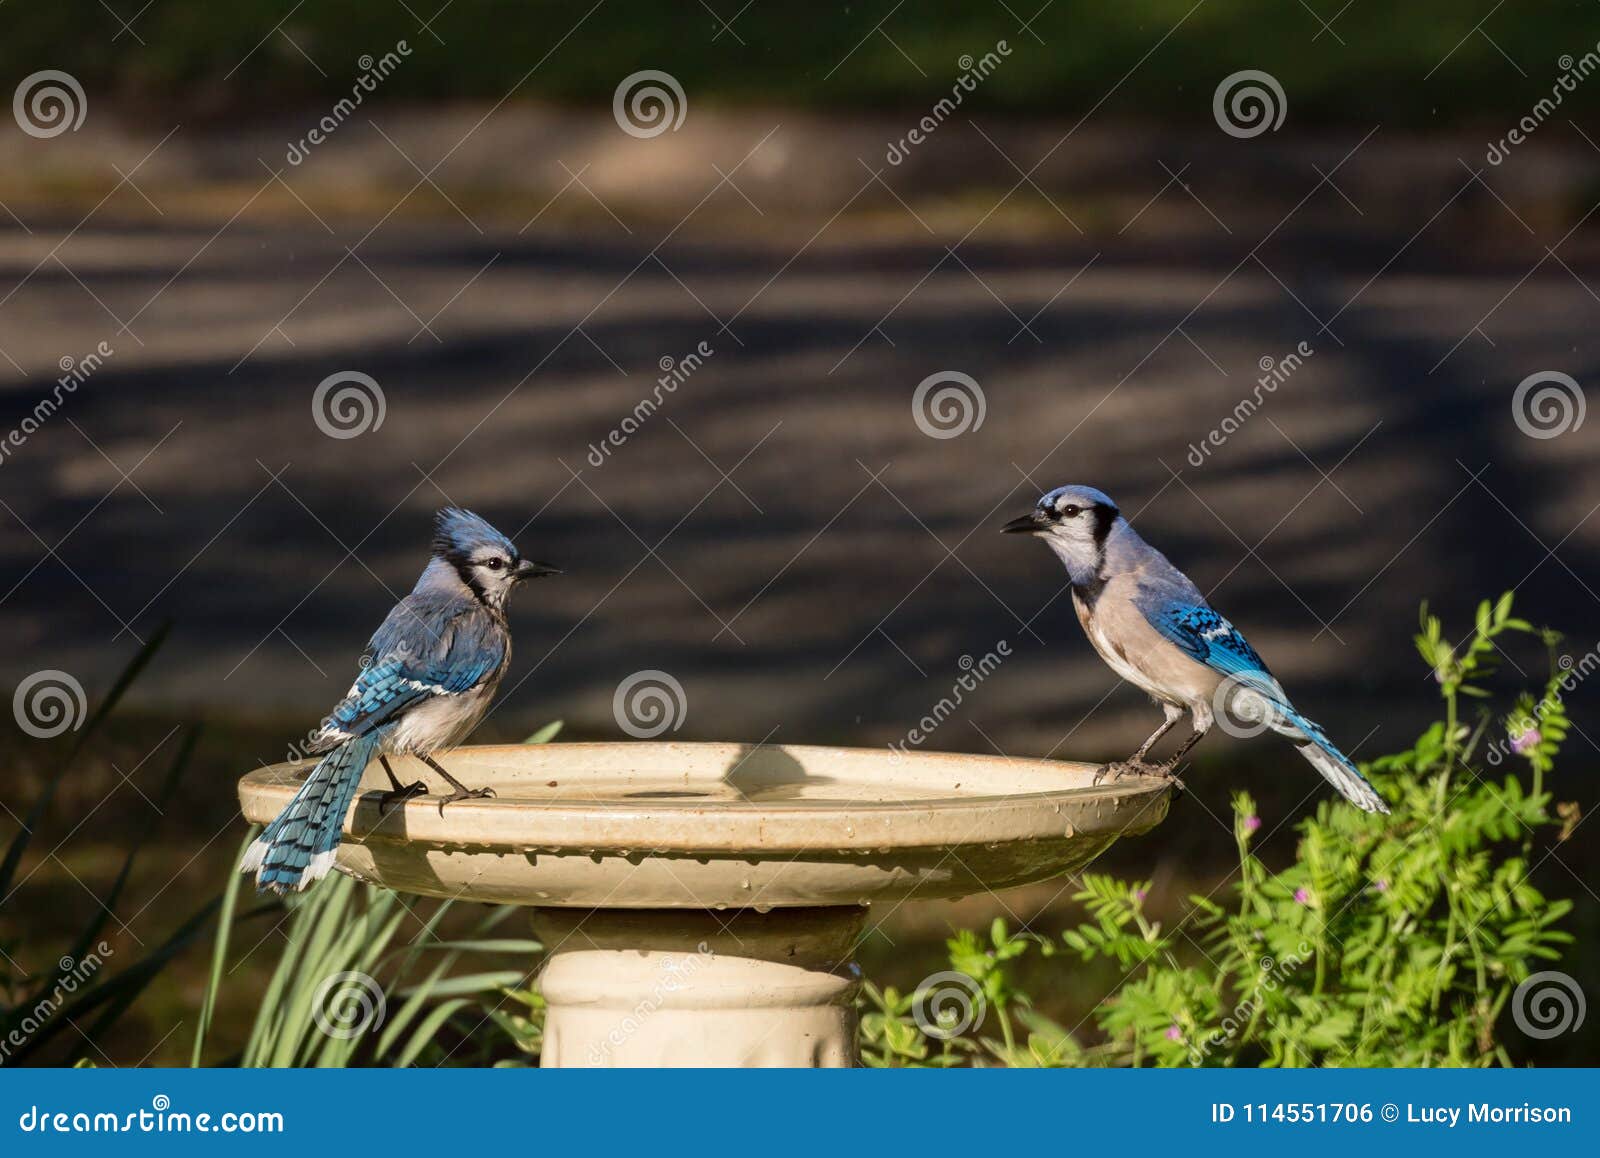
(700, 903)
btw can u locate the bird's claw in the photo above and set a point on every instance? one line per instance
(1118, 769)
(392, 799)
(464, 794)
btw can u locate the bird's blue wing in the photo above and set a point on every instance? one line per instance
(1211, 639)
(417, 654)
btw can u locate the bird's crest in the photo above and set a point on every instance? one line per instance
(458, 533)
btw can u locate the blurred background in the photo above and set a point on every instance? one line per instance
(758, 321)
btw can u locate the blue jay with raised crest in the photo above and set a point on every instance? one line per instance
(428, 676)
(1154, 629)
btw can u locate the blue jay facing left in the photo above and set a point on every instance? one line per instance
(430, 673)
(1154, 629)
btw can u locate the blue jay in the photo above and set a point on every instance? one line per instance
(427, 678)
(1154, 629)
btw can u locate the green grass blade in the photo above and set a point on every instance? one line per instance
(419, 994)
(219, 951)
(545, 734)
(474, 983)
(426, 1031)
(119, 992)
(504, 945)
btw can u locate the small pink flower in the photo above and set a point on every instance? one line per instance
(1526, 741)
(1139, 895)
(1302, 896)
(1251, 823)
(1381, 884)
(1174, 1033)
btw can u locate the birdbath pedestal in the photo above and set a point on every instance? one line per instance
(700, 903)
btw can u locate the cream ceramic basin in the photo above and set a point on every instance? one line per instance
(700, 904)
(725, 826)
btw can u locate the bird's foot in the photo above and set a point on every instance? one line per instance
(1118, 769)
(464, 794)
(399, 795)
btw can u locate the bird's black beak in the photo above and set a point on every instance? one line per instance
(528, 569)
(1029, 524)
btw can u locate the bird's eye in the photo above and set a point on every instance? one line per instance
(1070, 511)
(495, 564)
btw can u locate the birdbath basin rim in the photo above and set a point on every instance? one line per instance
(726, 825)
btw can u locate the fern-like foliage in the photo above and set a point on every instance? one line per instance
(1390, 941)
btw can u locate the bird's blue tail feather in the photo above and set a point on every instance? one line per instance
(1335, 766)
(298, 847)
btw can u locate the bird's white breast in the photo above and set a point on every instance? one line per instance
(1140, 654)
(440, 722)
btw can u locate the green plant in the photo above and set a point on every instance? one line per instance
(90, 986)
(351, 988)
(1390, 941)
